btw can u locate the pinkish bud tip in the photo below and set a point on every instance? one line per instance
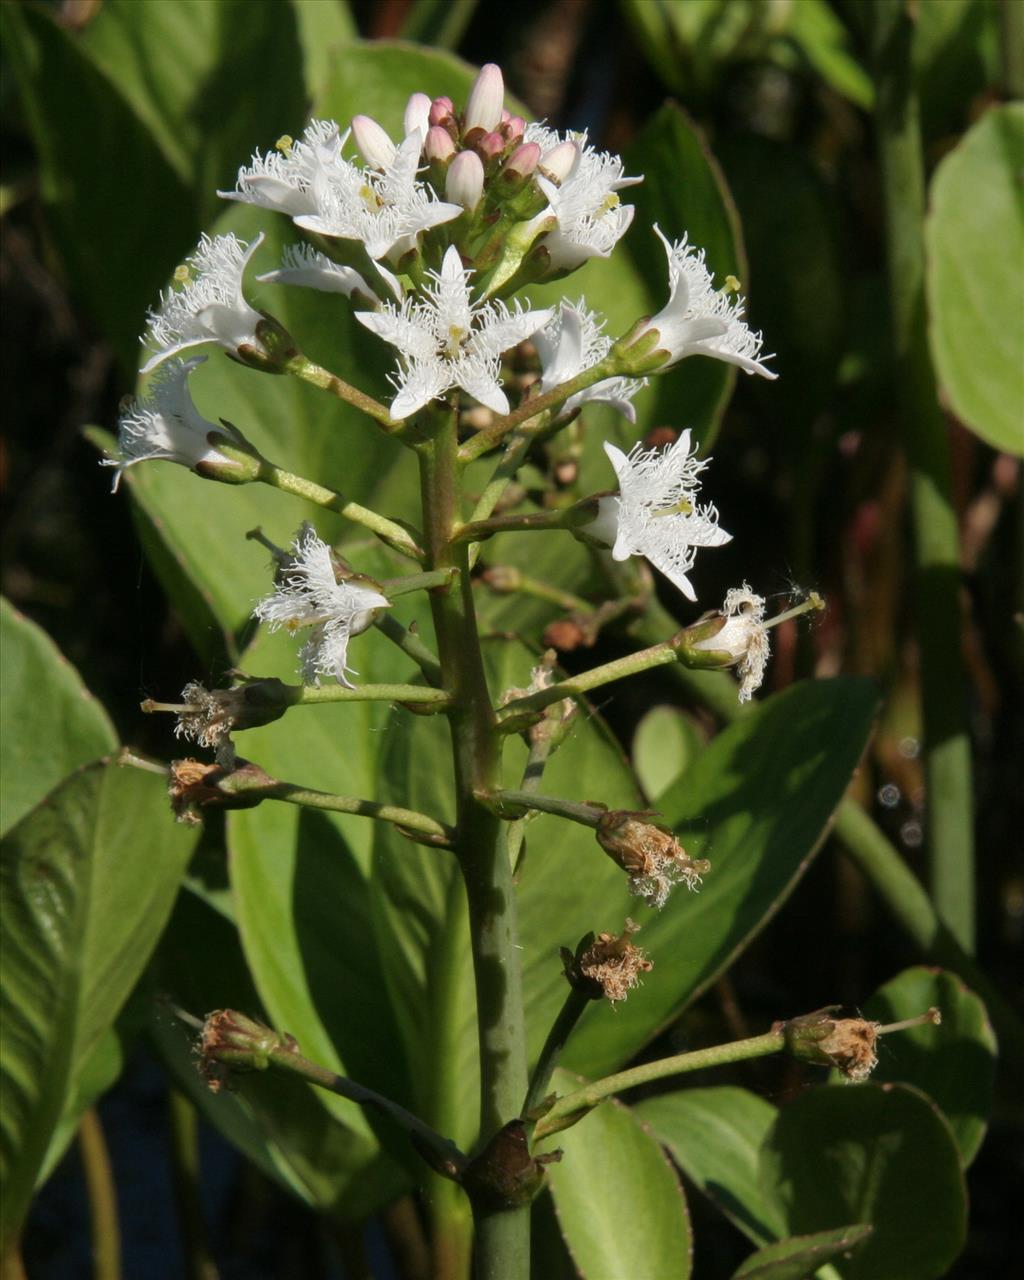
(490, 146)
(486, 99)
(464, 183)
(524, 160)
(374, 145)
(441, 110)
(515, 127)
(439, 145)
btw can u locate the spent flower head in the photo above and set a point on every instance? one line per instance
(744, 637)
(656, 513)
(611, 964)
(652, 857)
(446, 340)
(309, 594)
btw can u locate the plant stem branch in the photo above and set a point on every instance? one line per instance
(302, 367)
(410, 644)
(101, 1192)
(574, 1106)
(312, 695)
(587, 815)
(934, 518)
(185, 1174)
(409, 819)
(557, 1038)
(387, 530)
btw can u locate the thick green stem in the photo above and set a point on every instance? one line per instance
(936, 535)
(102, 1196)
(387, 530)
(312, 695)
(502, 1236)
(574, 1106)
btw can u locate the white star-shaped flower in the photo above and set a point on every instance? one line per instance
(656, 513)
(700, 320)
(285, 179)
(591, 219)
(167, 425)
(303, 265)
(210, 306)
(309, 594)
(444, 340)
(384, 207)
(744, 637)
(573, 341)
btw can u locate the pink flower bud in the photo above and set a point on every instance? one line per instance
(417, 114)
(374, 145)
(506, 115)
(465, 181)
(439, 145)
(441, 110)
(560, 161)
(515, 127)
(490, 146)
(486, 99)
(524, 160)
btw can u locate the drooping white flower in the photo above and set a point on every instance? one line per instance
(210, 305)
(303, 265)
(285, 179)
(386, 208)
(444, 340)
(700, 320)
(309, 594)
(167, 425)
(591, 219)
(744, 637)
(656, 513)
(572, 341)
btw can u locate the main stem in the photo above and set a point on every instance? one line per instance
(936, 537)
(502, 1246)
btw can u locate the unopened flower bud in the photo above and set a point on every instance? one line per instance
(522, 162)
(652, 857)
(514, 127)
(486, 100)
(464, 183)
(439, 145)
(847, 1044)
(374, 145)
(417, 114)
(442, 111)
(489, 147)
(503, 578)
(232, 1041)
(608, 966)
(560, 161)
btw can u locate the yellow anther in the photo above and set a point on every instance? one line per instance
(680, 508)
(732, 284)
(611, 201)
(182, 274)
(284, 144)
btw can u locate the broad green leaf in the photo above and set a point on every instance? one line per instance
(210, 82)
(801, 1256)
(323, 26)
(89, 878)
(618, 1201)
(666, 743)
(954, 1063)
(715, 1135)
(817, 30)
(119, 212)
(277, 1121)
(878, 1154)
(684, 192)
(201, 524)
(974, 236)
(757, 803)
(52, 723)
(438, 22)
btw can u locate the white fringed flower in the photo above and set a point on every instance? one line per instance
(210, 306)
(590, 216)
(656, 513)
(386, 208)
(573, 341)
(744, 637)
(303, 265)
(309, 595)
(700, 320)
(167, 425)
(446, 341)
(286, 178)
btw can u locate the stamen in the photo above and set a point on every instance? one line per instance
(284, 144)
(932, 1015)
(813, 602)
(148, 706)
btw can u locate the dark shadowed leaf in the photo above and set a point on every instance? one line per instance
(800, 1256)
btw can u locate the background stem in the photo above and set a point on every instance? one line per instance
(947, 753)
(102, 1195)
(184, 1131)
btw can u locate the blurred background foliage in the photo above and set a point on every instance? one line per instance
(120, 120)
